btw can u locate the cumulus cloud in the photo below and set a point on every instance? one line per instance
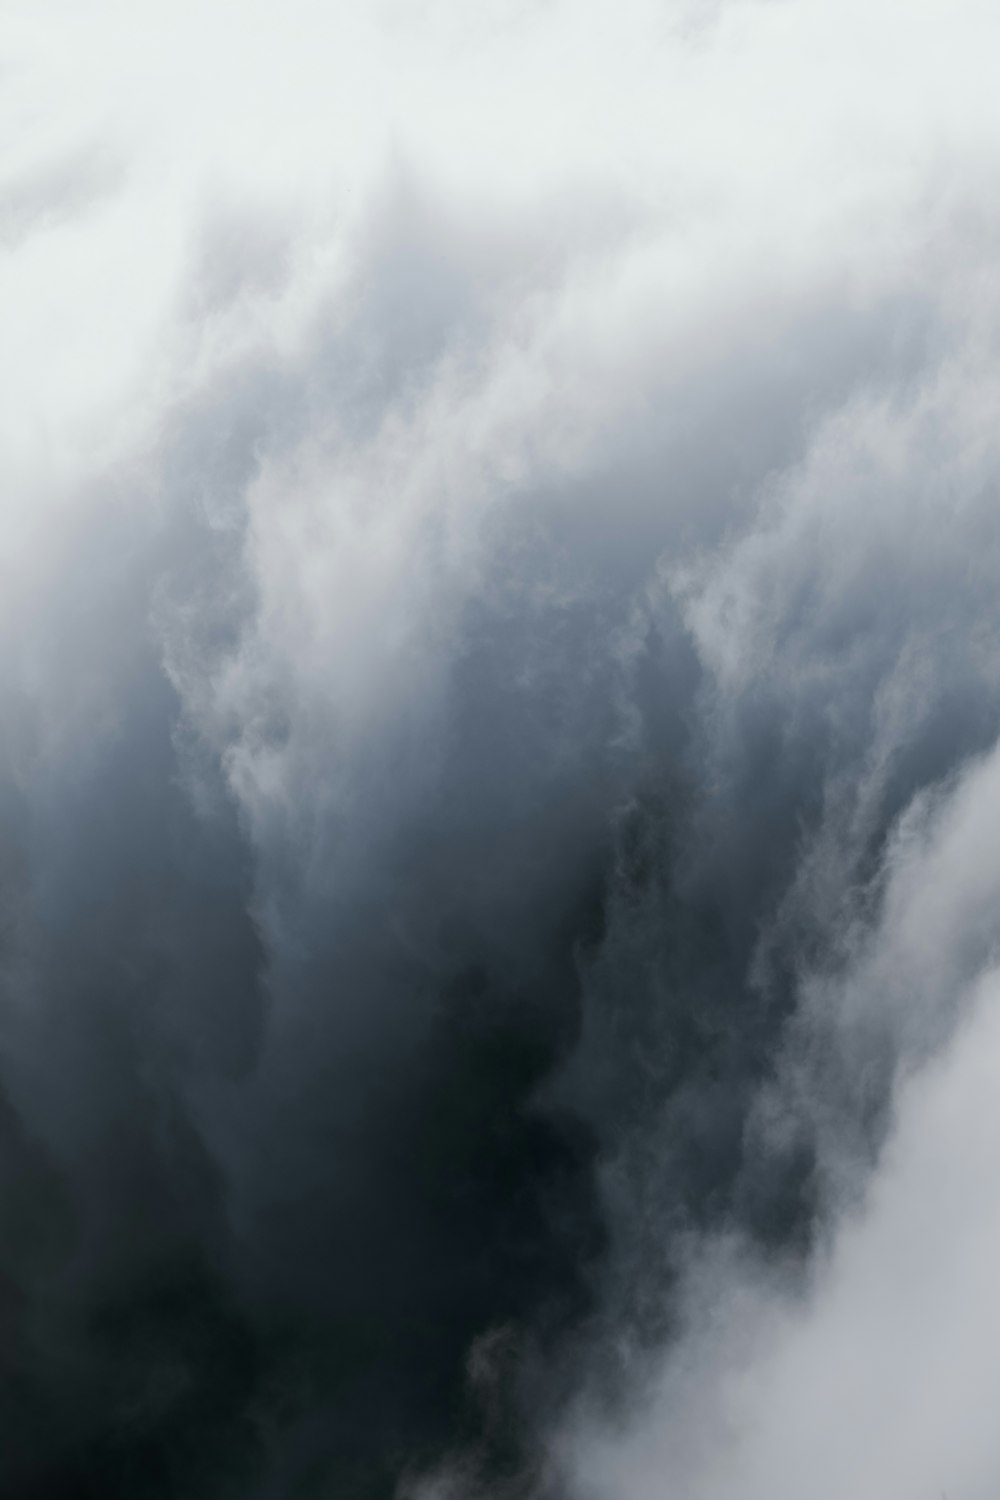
(499, 687)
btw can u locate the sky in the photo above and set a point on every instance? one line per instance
(499, 750)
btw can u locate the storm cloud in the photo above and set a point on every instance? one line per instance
(499, 762)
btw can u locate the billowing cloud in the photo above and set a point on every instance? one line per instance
(498, 779)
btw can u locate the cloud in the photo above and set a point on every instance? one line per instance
(871, 1370)
(497, 770)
